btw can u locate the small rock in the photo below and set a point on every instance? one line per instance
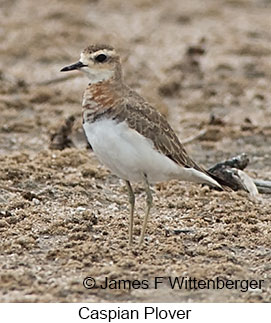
(36, 201)
(80, 209)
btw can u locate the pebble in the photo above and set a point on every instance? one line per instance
(36, 201)
(80, 209)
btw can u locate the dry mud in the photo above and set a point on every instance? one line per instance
(63, 216)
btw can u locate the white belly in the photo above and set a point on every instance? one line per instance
(130, 155)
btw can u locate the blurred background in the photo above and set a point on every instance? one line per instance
(193, 60)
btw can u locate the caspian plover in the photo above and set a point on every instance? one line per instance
(127, 134)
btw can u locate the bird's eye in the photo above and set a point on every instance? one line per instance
(100, 58)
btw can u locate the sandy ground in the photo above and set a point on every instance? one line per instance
(63, 216)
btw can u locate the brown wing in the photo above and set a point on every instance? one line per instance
(147, 121)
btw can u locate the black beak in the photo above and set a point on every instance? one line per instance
(75, 66)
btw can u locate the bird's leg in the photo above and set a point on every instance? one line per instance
(149, 204)
(132, 206)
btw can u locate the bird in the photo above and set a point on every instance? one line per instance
(127, 134)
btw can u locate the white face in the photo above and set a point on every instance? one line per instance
(97, 68)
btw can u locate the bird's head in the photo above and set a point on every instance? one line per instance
(99, 62)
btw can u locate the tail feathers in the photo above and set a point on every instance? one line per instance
(199, 176)
(205, 176)
(218, 183)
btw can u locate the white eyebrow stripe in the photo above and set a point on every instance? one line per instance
(104, 51)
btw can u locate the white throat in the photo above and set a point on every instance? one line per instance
(96, 76)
